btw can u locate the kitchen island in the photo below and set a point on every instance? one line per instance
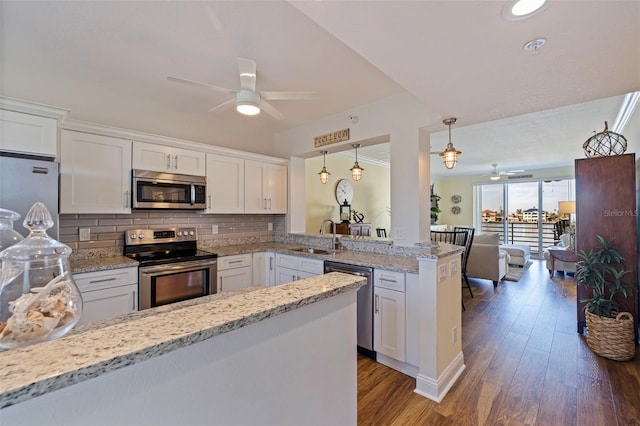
(280, 355)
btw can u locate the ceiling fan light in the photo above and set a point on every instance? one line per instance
(247, 108)
(247, 102)
(494, 176)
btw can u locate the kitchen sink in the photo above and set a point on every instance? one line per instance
(312, 250)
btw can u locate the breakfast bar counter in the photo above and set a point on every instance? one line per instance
(32, 373)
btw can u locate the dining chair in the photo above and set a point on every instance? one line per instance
(382, 232)
(465, 256)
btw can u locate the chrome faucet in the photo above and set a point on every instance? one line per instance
(334, 241)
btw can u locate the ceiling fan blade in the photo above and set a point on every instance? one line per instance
(223, 105)
(247, 69)
(271, 110)
(288, 95)
(198, 84)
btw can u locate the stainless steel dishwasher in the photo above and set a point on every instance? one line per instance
(364, 305)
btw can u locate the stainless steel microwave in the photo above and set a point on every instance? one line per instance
(156, 190)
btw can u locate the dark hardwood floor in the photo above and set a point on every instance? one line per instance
(525, 365)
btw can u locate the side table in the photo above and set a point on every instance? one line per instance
(562, 255)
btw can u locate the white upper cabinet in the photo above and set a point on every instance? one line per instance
(95, 173)
(225, 184)
(265, 188)
(27, 134)
(163, 158)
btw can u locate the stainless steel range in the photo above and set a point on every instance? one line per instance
(171, 269)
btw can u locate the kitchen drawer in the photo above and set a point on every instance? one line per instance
(91, 281)
(237, 261)
(286, 261)
(312, 266)
(388, 279)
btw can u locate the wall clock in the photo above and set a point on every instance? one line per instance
(456, 199)
(344, 191)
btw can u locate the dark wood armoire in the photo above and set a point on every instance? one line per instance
(606, 205)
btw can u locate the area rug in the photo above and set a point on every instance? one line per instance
(515, 272)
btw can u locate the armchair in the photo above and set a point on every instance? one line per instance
(563, 244)
(486, 259)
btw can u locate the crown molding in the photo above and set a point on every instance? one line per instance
(17, 105)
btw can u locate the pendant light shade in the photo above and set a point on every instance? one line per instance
(356, 170)
(450, 154)
(324, 174)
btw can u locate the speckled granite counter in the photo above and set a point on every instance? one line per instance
(28, 372)
(92, 264)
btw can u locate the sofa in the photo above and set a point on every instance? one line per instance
(486, 260)
(560, 266)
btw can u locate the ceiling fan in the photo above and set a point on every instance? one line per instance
(495, 174)
(248, 101)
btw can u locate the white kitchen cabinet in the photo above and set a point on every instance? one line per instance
(389, 321)
(28, 134)
(163, 158)
(234, 272)
(265, 187)
(225, 184)
(293, 268)
(95, 173)
(107, 294)
(264, 269)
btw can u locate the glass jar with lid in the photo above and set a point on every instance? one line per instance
(39, 299)
(8, 235)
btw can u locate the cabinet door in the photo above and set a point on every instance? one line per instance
(148, 156)
(277, 189)
(389, 323)
(189, 162)
(28, 134)
(225, 184)
(255, 187)
(95, 174)
(234, 279)
(285, 275)
(108, 303)
(264, 269)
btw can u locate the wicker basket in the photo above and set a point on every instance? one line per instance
(611, 338)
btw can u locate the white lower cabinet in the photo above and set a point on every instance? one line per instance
(293, 268)
(107, 294)
(389, 314)
(234, 272)
(264, 269)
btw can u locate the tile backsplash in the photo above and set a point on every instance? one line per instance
(107, 230)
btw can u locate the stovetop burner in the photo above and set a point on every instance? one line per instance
(160, 246)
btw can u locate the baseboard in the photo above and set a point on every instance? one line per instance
(403, 367)
(436, 389)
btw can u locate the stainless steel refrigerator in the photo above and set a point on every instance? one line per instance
(23, 182)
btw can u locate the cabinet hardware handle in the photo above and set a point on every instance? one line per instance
(104, 280)
(293, 277)
(271, 263)
(220, 283)
(168, 161)
(175, 163)
(235, 261)
(133, 300)
(209, 202)
(387, 280)
(377, 307)
(265, 204)
(269, 203)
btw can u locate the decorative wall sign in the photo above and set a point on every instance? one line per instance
(456, 199)
(455, 210)
(329, 138)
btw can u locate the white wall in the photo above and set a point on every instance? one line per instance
(397, 119)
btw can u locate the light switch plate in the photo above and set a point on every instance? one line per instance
(214, 229)
(84, 234)
(442, 272)
(270, 226)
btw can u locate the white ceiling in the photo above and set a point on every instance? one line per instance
(108, 61)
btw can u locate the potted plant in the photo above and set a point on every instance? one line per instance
(609, 328)
(435, 210)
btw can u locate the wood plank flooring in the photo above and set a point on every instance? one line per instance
(526, 365)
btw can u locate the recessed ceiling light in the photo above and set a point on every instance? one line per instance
(516, 10)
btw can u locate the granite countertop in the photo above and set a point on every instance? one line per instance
(408, 263)
(34, 370)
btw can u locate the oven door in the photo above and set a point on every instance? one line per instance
(175, 282)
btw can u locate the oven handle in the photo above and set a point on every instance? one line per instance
(172, 268)
(193, 191)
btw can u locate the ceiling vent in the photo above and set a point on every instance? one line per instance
(520, 177)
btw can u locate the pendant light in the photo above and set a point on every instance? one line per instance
(324, 174)
(450, 154)
(356, 170)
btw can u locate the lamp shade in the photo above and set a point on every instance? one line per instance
(567, 207)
